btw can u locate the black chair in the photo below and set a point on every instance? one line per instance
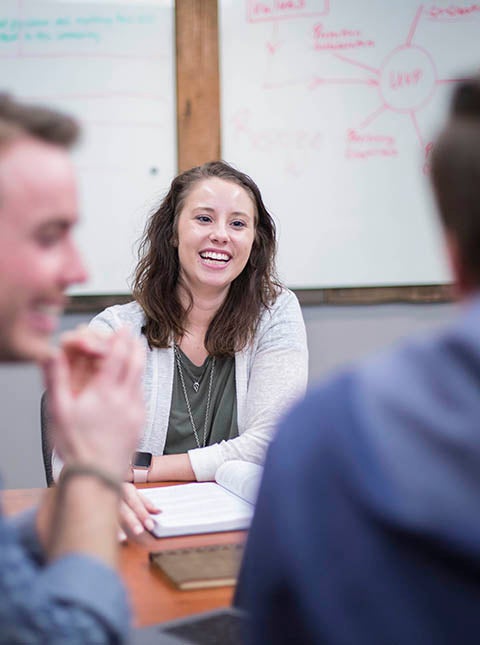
(47, 447)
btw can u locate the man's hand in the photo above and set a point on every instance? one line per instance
(97, 418)
(84, 349)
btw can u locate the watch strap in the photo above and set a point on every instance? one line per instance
(140, 475)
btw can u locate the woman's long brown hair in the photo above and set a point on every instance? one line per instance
(157, 274)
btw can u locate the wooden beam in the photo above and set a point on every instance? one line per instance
(427, 293)
(198, 94)
(310, 297)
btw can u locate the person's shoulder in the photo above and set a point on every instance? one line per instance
(282, 319)
(285, 298)
(332, 425)
(420, 389)
(117, 316)
(380, 425)
(286, 305)
(335, 407)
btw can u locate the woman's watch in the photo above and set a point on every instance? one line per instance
(141, 464)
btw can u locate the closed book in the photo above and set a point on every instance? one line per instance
(200, 567)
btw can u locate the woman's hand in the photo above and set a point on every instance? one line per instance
(135, 512)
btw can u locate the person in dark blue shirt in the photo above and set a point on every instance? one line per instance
(58, 579)
(367, 526)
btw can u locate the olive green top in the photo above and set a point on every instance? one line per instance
(222, 416)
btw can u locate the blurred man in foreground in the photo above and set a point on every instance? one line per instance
(367, 526)
(57, 565)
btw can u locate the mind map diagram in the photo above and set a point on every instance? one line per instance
(404, 79)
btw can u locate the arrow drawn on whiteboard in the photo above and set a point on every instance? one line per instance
(372, 116)
(413, 118)
(317, 80)
(314, 82)
(274, 43)
(280, 84)
(358, 63)
(413, 27)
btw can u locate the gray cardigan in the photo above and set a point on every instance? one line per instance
(269, 375)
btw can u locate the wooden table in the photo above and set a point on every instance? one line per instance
(154, 599)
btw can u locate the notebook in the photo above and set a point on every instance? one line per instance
(216, 565)
(207, 507)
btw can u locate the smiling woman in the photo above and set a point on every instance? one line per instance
(214, 236)
(225, 342)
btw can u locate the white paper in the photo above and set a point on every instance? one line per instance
(240, 477)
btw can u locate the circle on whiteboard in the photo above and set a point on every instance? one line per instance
(407, 79)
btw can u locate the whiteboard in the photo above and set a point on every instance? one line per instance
(331, 106)
(110, 64)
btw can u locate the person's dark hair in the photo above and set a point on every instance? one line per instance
(19, 119)
(157, 274)
(455, 172)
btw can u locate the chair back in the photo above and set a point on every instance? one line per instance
(47, 447)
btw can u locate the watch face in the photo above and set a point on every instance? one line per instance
(142, 459)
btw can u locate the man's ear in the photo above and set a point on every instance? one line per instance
(462, 284)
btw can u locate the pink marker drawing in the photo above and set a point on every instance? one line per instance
(406, 80)
(272, 10)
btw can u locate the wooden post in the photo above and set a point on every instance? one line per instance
(198, 95)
